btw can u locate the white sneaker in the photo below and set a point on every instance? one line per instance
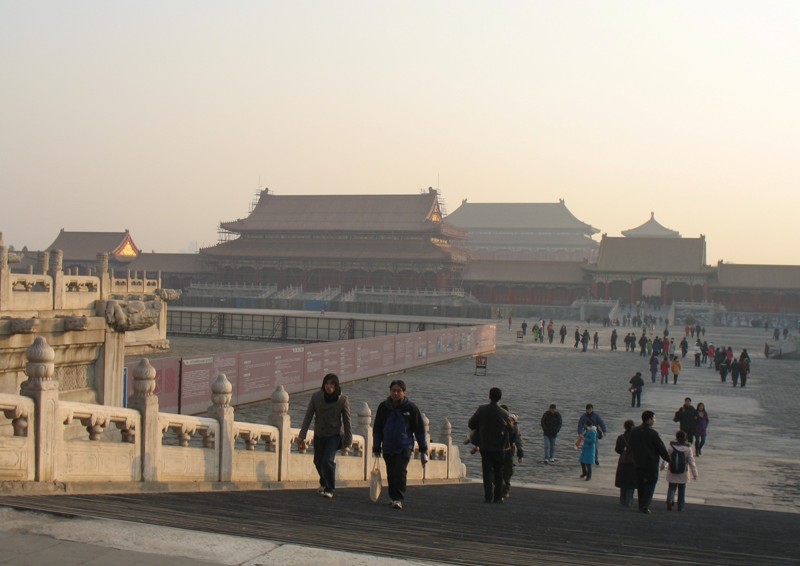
(547, 461)
(321, 490)
(327, 495)
(397, 504)
(552, 460)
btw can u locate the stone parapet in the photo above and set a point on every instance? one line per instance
(57, 441)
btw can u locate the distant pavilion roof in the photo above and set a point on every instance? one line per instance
(651, 229)
(652, 255)
(774, 277)
(84, 246)
(517, 216)
(345, 213)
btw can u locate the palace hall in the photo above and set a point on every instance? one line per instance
(493, 253)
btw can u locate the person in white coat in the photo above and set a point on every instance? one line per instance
(681, 464)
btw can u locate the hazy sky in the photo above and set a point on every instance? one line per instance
(167, 117)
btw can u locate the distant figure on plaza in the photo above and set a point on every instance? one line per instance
(625, 478)
(681, 462)
(684, 346)
(563, 332)
(551, 425)
(637, 384)
(701, 421)
(588, 451)
(596, 420)
(494, 427)
(509, 322)
(613, 339)
(524, 327)
(551, 331)
(735, 370)
(653, 365)
(330, 411)
(685, 416)
(643, 345)
(514, 448)
(595, 341)
(697, 351)
(585, 339)
(744, 367)
(647, 449)
(676, 369)
(577, 337)
(664, 369)
(398, 422)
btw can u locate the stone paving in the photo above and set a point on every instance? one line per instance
(751, 458)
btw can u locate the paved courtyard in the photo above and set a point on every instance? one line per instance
(751, 458)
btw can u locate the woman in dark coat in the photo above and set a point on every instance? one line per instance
(625, 478)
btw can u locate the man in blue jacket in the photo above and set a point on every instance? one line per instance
(398, 422)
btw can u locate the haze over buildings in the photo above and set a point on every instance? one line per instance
(167, 118)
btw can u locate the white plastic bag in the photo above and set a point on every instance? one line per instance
(375, 482)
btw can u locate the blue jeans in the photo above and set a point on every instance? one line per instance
(325, 448)
(681, 487)
(549, 447)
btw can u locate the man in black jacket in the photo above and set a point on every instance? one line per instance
(551, 425)
(646, 447)
(492, 426)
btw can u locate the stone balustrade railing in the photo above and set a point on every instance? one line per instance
(68, 443)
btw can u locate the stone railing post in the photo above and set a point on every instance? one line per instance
(43, 389)
(57, 273)
(145, 400)
(43, 262)
(103, 275)
(5, 279)
(446, 438)
(280, 419)
(221, 410)
(364, 428)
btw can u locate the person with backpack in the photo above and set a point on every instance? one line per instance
(681, 462)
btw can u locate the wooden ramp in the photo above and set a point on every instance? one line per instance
(450, 523)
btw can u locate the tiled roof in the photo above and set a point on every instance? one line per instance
(517, 216)
(84, 246)
(652, 255)
(733, 276)
(166, 263)
(651, 229)
(341, 213)
(556, 272)
(334, 249)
